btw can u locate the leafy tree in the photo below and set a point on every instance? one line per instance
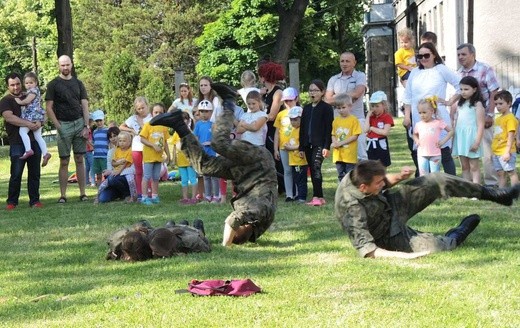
(151, 85)
(159, 33)
(120, 82)
(245, 32)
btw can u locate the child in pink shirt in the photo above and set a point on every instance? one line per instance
(426, 135)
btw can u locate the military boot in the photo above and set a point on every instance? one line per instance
(466, 226)
(504, 196)
(172, 120)
(199, 225)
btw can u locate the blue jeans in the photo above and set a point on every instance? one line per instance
(89, 160)
(117, 187)
(300, 180)
(33, 176)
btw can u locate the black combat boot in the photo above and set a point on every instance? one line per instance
(228, 95)
(169, 224)
(199, 225)
(184, 222)
(225, 91)
(466, 226)
(504, 196)
(172, 120)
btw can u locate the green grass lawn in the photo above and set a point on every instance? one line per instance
(53, 271)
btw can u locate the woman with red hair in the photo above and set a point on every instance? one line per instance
(270, 73)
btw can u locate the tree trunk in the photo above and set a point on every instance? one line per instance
(64, 26)
(289, 23)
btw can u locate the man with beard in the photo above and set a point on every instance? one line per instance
(11, 112)
(67, 108)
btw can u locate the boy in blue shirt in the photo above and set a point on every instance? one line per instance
(100, 141)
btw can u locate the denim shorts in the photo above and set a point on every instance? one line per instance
(152, 171)
(500, 165)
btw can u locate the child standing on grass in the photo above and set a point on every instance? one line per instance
(203, 133)
(316, 137)
(469, 129)
(100, 141)
(186, 171)
(404, 57)
(503, 144)
(155, 141)
(207, 93)
(134, 124)
(186, 101)
(345, 132)
(252, 124)
(426, 136)
(377, 127)
(282, 134)
(297, 159)
(33, 112)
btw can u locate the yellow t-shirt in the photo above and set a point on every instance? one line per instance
(294, 155)
(404, 57)
(119, 154)
(181, 159)
(503, 125)
(342, 128)
(283, 124)
(158, 135)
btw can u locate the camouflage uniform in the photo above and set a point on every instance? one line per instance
(250, 167)
(380, 221)
(191, 240)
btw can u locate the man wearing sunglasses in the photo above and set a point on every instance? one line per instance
(489, 86)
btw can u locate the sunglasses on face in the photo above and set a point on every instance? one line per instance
(421, 56)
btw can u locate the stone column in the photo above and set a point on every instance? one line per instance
(294, 73)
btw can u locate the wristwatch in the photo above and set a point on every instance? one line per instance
(490, 114)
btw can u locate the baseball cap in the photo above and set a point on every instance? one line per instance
(289, 93)
(98, 115)
(378, 97)
(205, 105)
(295, 112)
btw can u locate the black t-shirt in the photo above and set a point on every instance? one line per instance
(8, 104)
(67, 96)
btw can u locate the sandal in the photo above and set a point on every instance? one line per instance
(62, 200)
(83, 198)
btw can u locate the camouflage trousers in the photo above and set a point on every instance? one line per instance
(250, 167)
(192, 240)
(414, 196)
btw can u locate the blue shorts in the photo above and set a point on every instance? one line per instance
(500, 165)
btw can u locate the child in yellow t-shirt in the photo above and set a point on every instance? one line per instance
(186, 171)
(122, 168)
(281, 137)
(297, 159)
(503, 143)
(155, 141)
(404, 57)
(345, 132)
